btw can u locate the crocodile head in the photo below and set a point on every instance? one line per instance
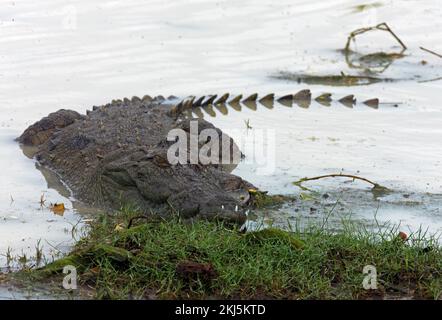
(143, 178)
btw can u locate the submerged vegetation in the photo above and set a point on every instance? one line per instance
(156, 259)
(331, 80)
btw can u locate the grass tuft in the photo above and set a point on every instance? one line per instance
(173, 259)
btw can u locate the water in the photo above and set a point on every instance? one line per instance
(83, 53)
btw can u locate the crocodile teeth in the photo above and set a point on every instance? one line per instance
(303, 95)
(222, 99)
(267, 101)
(286, 100)
(209, 100)
(251, 98)
(373, 103)
(198, 102)
(348, 101)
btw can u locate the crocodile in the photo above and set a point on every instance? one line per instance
(117, 154)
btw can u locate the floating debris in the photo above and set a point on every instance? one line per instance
(375, 60)
(58, 208)
(341, 80)
(377, 189)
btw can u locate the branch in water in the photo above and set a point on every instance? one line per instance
(432, 52)
(381, 26)
(376, 187)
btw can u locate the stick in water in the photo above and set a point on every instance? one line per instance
(375, 185)
(432, 52)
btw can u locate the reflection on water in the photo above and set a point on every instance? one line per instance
(194, 106)
(40, 221)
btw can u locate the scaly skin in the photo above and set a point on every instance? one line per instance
(117, 155)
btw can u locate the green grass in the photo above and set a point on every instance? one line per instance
(141, 261)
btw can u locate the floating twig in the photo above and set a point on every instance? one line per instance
(383, 59)
(432, 52)
(376, 187)
(382, 26)
(430, 80)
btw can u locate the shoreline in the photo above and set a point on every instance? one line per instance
(173, 259)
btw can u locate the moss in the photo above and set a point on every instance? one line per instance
(58, 265)
(107, 251)
(261, 199)
(275, 235)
